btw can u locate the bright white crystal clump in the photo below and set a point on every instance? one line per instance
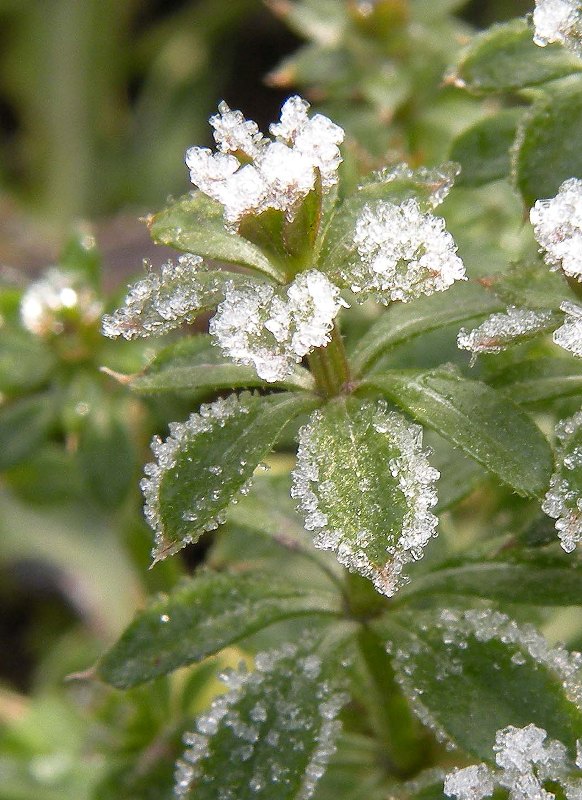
(403, 253)
(47, 301)
(500, 330)
(557, 226)
(161, 302)
(317, 494)
(284, 704)
(526, 758)
(563, 501)
(257, 325)
(559, 21)
(569, 335)
(277, 174)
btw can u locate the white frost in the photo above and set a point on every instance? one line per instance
(273, 329)
(252, 173)
(403, 253)
(557, 224)
(500, 330)
(569, 335)
(48, 301)
(563, 501)
(559, 21)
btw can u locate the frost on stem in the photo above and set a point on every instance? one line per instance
(563, 501)
(161, 302)
(275, 726)
(559, 21)
(259, 325)
(403, 254)
(501, 330)
(373, 513)
(251, 173)
(569, 335)
(557, 224)
(526, 757)
(49, 301)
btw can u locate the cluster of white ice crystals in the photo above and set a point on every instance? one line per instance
(500, 330)
(409, 468)
(284, 706)
(569, 335)
(251, 173)
(526, 758)
(161, 302)
(46, 302)
(403, 253)
(559, 21)
(563, 501)
(557, 224)
(166, 452)
(256, 325)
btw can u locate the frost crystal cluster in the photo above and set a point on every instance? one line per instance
(272, 725)
(403, 253)
(47, 301)
(501, 330)
(437, 180)
(526, 758)
(256, 325)
(370, 549)
(251, 173)
(563, 501)
(559, 21)
(569, 335)
(557, 224)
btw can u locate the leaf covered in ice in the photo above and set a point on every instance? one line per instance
(365, 487)
(272, 733)
(563, 501)
(569, 335)
(500, 331)
(557, 224)
(558, 21)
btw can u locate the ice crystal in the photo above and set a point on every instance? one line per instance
(569, 335)
(284, 699)
(413, 477)
(526, 758)
(252, 173)
(47, 303)
(166, 452)
(403, 253)
(557, 226)
(501, 330)
(161, 302)
(559, 21)
(563, 500)
(437, 181)
(258, 325)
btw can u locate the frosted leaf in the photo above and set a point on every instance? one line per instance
(471, 783)
(48, 302)
(569, 335)
(436, 182)
(563, 500)
(280, 173)
(373, 512)
(499, 331)
(559, 21)
(557, 224)
(273, 329)
(403, 254)
(162, 302)
(236, 746)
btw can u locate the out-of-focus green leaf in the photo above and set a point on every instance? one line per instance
(540, 379)
(483, 149)
(25, 361)
(80, 255)
(530, 283)
(24, 425)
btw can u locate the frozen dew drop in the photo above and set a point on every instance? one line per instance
(557, 224)
(558, 21)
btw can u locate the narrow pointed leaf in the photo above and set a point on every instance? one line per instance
(483, 149)
(470, 673)
(195, 224)
(271, 736)
(540, 380)
(481, 421)
(207, 460)
(200, 618)
(365, 487)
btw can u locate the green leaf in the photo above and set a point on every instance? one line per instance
(505, 58)
(531, 284)
(364, 485)
(481, 421)
(201, 617)
(483, 149)
(461, 303)
(80, 255)
(24, 425)
(195, 224)
(533, 578)
(194, 364)
(208, 460)
(271, 736)
(547, 150)
(25, 361)
(459, 474)
(469, 674)
(540, 380)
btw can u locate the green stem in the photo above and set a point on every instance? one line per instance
(329, 366)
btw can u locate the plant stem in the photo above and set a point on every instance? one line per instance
(329, 366)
